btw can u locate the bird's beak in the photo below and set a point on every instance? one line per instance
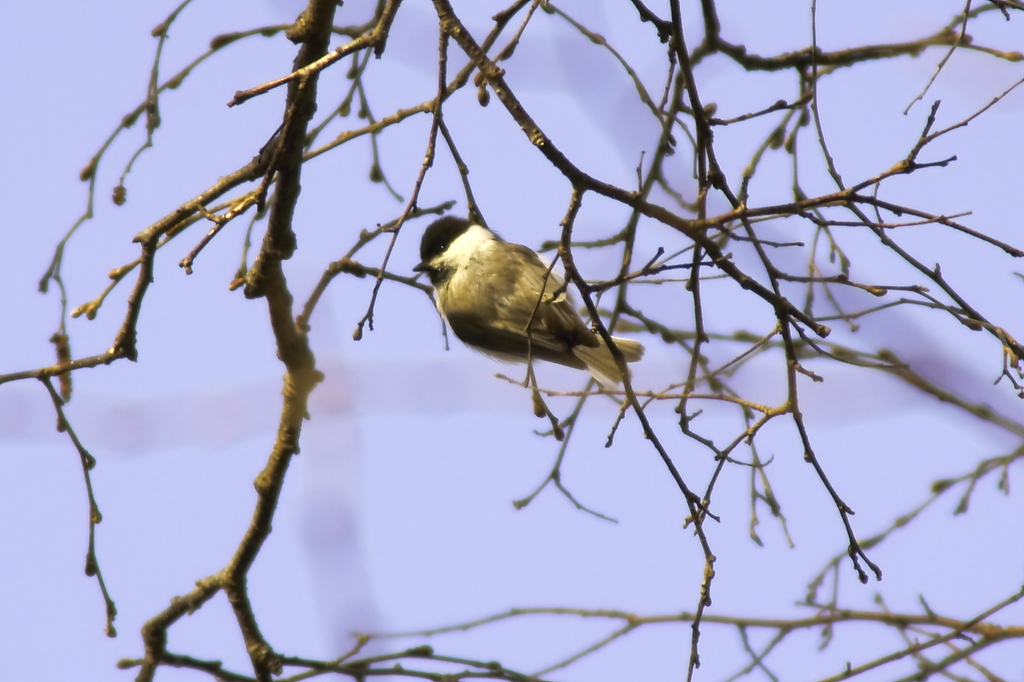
(421, 267)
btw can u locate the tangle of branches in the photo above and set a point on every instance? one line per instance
(718, 236)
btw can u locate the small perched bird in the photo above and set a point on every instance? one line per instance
(488, 289)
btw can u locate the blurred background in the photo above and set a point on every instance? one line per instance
(398, 513)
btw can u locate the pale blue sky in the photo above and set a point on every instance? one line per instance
(398, 513)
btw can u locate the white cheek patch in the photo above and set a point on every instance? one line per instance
(471, 243)
(460, 259)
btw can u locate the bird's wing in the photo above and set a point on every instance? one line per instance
(513, 344)
(555, 313)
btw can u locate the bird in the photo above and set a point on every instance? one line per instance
(501, 299)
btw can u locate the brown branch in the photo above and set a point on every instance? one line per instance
(698, 512)
(374, 38)
(92, 565)
(348, 266)
(428, 162)
(266, 279)
(974, 626)
(942, 62)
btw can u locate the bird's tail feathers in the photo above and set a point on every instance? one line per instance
(601, 364)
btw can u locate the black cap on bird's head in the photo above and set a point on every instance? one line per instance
(438, 236)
